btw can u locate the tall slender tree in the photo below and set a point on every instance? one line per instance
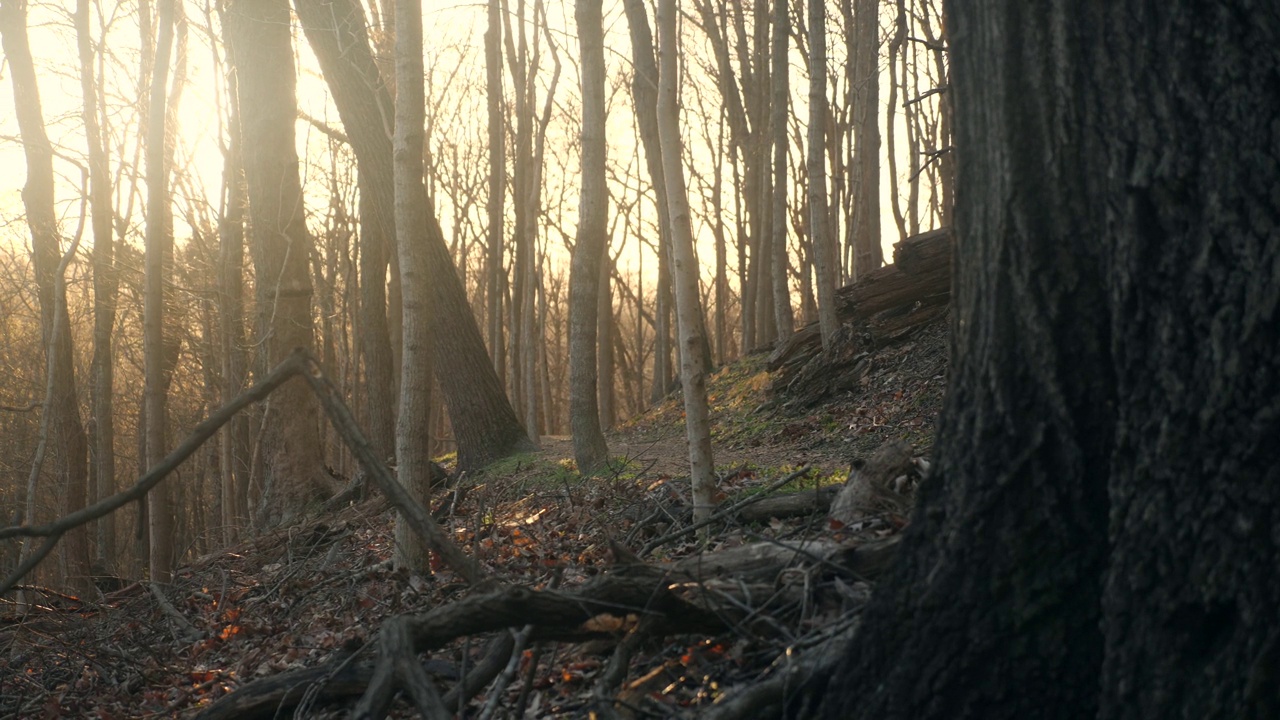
(413, 425)
(495, 275)
(63, 413)
(159, 244)
(105, 286)
(780, 79)
(693, 366)
(826, 255)
(863, 51)
(589, 447)
(644, 95)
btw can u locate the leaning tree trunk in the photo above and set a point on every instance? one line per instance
(482, 419)
(1098, 537)
(258, 31)
(589, 448)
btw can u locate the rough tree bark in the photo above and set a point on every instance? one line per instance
(589, 448)
(482, 419)
(258, 32)
(1098, 538)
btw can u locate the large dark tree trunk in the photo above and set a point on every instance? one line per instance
(483, 421)
(262, 51)
(1099, 535)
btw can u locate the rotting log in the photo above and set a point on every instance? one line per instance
(890, 300)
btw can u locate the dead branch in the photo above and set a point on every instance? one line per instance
(727, 512)
(421, 522)
(299, 362)
(792, 674)
(55, 530)
(189, 631)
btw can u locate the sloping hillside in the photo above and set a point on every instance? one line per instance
(289, 620)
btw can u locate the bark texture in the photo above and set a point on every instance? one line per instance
(1098, 537)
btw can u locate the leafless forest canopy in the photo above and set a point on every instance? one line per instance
(185, 189)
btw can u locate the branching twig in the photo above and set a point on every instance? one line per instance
(519, 639)
(166, 607)
(727, 512)
(205, 430)
(300, 362)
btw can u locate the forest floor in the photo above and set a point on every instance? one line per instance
(309, 595)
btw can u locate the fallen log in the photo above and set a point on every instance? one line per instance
(764, 562)
(885, 301)
(707, 594)
(799, 504)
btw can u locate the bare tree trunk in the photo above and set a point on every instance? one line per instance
(605, 334)
(413, 426)
(784, 318)
(376, 236)
(1096, 537)
(159, 241)
(495, 276)
(689, 311)
(234, 445)
(864, 54)
(644, 93)
(589, 448)
(38, 199)
(258, 31)
(105, 290)
(826, 256)
(722, 261)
